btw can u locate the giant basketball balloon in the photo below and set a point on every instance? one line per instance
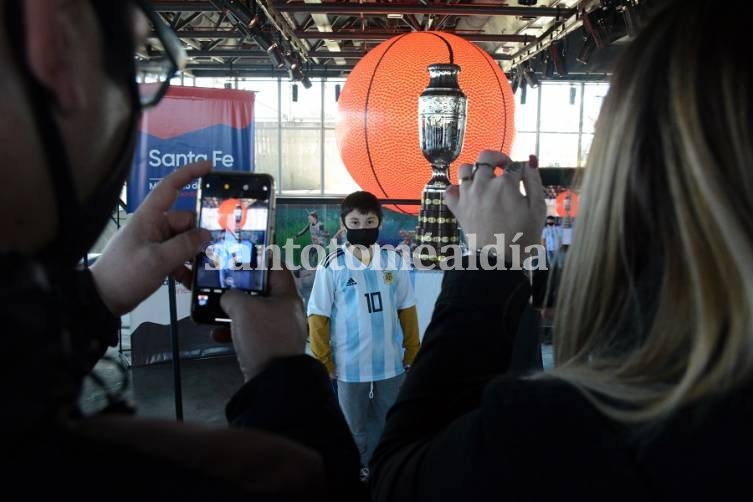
(377, 127)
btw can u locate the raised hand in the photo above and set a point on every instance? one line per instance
(153, 244)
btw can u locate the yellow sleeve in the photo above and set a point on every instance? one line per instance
(409, 322)
(319, 336)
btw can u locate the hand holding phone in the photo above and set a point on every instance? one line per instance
(238, 210)
(265, 329)
(127, 272)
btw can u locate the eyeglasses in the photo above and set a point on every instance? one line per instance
(159, 55)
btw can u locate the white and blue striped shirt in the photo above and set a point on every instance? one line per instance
(362, 305)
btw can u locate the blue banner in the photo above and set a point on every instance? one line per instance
(192, 124)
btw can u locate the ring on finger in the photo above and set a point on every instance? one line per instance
(477, 165)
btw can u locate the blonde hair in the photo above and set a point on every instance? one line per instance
(654, 308)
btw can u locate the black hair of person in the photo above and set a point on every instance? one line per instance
(363, 202)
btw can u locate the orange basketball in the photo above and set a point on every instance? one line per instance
(559, 203)
(377, 127)
(226, 214)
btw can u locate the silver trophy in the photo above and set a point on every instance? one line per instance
(441, 126)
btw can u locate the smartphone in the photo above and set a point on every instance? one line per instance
(238, 209)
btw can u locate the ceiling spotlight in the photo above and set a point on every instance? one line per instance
(262, 41)
(631, 17)
(594, 29)
(584, 56)
(515, 81)
(530, 77)
(293, 61)
(306, 82)
(275, 54)
(555, 56)
(254, 22)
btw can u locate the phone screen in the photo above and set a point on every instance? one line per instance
(237, 209)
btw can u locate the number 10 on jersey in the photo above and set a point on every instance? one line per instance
(374, 302)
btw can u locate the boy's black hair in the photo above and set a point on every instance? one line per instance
(363, 202)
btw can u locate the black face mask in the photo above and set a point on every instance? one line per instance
(550, 223)
(362, 236)
(80, 223)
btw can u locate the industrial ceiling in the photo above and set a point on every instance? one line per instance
(322, 38)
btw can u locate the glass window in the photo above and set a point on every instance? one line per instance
(212, 82)
(560, 109)
(330, 104)
(265, 102)
(301, 161)
(307, 107)
(267, 148)
(593, 95)
(558, 149)
(337, 179)
(525, 114)
(523, 145)
(585, 147)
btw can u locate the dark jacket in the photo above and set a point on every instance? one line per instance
(461, 430)
(289, 441)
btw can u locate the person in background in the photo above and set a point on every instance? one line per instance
(551, 239)
(71, 104)
(363, 324)
(341, 236)
(319, 236)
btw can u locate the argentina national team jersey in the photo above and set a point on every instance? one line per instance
(362, 305)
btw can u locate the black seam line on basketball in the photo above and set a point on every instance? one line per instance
(501, 91)
(366, 115)
(449, 47)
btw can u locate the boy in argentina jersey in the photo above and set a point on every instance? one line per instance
(362, 319)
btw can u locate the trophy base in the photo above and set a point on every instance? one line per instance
(437, 228)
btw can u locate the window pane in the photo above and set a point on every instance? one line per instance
(307, 108)
(301, 161)
(585, 147)
(523, 145)
(337, 179)
(265, 102)
(560, 110)
(558, 150)
(525, 114)
(212, 82)
(267, 148)
(330, 105)
(593, 95)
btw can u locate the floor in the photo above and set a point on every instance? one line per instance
(206, 385)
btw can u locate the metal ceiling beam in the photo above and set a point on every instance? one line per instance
(356, 35)
(183, 6)
(366, 35)
(251, 67)
(380, 9)
(324, 26)
(441, 10)
(227, 53)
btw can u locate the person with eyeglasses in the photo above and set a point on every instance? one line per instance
(70, 104)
